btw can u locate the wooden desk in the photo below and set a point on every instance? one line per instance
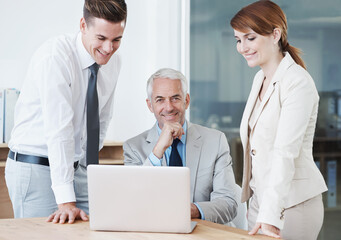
(37, 228)
(111, 153)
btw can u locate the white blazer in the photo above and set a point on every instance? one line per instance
(281, 142)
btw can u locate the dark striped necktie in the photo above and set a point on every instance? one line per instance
(92, 118)
(175, 159)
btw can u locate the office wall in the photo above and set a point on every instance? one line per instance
(151, 41)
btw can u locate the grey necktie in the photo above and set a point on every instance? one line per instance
(92, 118)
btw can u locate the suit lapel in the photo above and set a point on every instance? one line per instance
(264, 101)
(151, 140)
(152, 136)
(286, 62)
(249, 107)
(193, 150)
(244, 126)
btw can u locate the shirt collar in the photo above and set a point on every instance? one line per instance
(85, 58)
(183, 138)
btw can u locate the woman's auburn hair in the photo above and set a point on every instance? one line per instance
(263, 17)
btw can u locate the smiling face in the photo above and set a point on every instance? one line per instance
(101, 38)
(258, 50)
(168, 102)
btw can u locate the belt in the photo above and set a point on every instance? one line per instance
(32, 159)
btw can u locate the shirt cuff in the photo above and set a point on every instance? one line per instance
(64, 193)
(154, 160)
(201, 212)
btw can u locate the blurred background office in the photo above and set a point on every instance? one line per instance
(194, 36)
(220, 81)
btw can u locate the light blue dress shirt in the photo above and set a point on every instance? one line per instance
(182, 151)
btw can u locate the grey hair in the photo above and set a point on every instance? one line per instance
(170, 74)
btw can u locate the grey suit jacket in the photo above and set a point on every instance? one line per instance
(207, 157)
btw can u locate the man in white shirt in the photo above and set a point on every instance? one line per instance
(173, 141)
(46, 165)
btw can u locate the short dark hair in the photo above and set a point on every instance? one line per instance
(111, 10)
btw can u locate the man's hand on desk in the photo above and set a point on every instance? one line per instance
(67, 212)
(195, 211)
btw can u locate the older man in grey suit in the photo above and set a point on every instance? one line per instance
(173, 141)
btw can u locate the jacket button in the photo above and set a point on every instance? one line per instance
(253, 152)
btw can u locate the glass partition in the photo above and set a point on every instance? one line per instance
(221, 81)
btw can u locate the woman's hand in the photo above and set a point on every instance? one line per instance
(267, 229)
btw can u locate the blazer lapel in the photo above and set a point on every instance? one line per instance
(286, 62)
(244, 125)
(193, 150)
(152, 136)
(266, 98)
(151, 140)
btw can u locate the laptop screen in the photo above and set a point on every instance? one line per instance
(136, 198)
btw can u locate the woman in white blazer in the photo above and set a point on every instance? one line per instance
(280, 177)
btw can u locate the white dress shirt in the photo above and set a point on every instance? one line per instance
(50, 115)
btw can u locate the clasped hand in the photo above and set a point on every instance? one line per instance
(170, 131)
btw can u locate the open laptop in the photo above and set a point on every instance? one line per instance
(139, 198)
